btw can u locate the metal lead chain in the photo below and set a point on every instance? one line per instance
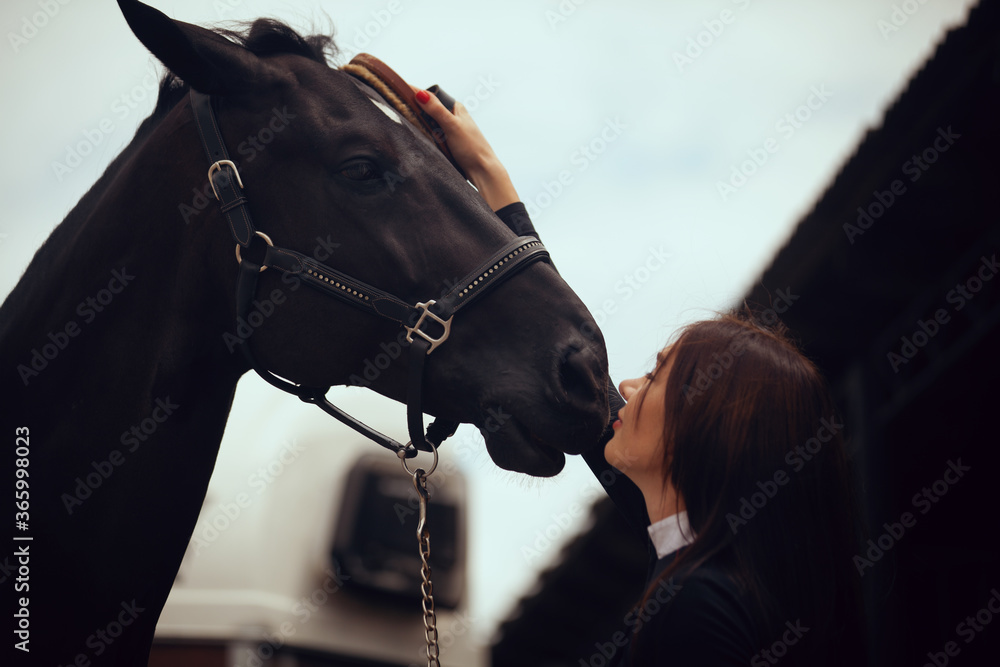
(424, 543)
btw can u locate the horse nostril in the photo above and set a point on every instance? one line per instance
(578, 373)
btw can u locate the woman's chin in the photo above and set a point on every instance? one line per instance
(615, 452)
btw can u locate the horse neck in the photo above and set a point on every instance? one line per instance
(125, 306)
(120, 301)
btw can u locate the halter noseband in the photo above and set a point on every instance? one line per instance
(428, 324)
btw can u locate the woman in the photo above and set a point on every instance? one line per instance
(735, 446)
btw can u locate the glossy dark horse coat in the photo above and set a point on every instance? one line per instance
(126, 402)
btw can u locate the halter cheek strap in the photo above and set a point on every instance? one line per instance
(225, 179)
(428, 323)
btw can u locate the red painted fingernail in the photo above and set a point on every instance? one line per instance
(423, 96)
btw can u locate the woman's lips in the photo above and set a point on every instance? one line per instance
(621, 415)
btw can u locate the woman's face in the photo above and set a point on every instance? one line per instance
(637, 446)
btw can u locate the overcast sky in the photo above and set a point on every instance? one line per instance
(619, 122)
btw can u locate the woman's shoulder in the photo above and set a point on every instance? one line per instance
(707, 618)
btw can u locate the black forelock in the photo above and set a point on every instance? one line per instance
(268, 37)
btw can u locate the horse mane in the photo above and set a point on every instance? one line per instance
(262, 37)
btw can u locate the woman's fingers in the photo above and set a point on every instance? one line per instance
(433, 107)
(471, 150)
(466, 141)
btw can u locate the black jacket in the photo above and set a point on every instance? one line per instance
(701, 618)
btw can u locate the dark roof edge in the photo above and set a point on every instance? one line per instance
(955, 63)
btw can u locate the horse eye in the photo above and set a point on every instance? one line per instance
(359, 170)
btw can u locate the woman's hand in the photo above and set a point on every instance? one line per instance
(471, 150)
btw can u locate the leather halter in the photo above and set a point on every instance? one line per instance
(428, 324)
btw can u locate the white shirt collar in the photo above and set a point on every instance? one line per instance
(670, 534)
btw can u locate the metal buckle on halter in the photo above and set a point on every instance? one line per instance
(217, 166)
(415, 329)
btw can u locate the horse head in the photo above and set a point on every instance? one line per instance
(333, 172)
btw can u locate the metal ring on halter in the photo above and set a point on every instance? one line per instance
(401, 453)
(267, 240)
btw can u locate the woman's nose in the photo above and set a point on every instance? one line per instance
(629, 387)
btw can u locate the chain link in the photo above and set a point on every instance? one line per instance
(426, 587)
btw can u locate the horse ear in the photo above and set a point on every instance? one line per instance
(206, 61)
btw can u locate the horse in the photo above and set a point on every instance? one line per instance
(119, 343)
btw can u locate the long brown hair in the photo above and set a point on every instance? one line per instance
(754, 447)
